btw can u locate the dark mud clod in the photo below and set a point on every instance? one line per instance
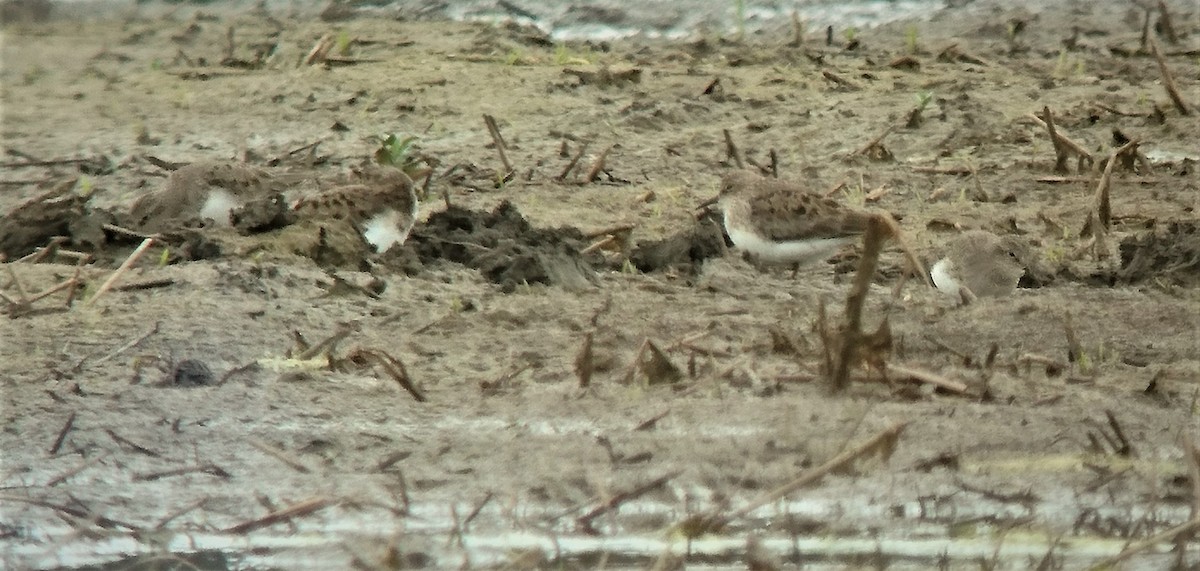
(262, 215)
(191, 373)
(505, 247)
(1171, 254)
(684, 252)
(36, 221)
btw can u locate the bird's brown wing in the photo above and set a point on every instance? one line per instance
(238, 178)
(784, 212)
(182, 192)
(357, 202)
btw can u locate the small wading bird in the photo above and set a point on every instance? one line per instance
(778, 222)
(382, 207)
(978, 264)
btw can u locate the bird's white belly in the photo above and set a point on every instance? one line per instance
(791, 251)
(942, 278)
(383, 230)
(218, 206)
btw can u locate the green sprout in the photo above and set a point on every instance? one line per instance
(851, 34)
(342, 45)
(1067, 66)
(399, 152)
(857, 195)
(915, 117)
(395, 151)
(923, 99)
(1055, 254)
(566, 56)
(514, 57)
(561, 54)
(1060, 66)
(1085, 362)
(85, 186)
(910, 39)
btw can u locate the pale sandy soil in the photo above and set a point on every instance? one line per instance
(507, 453)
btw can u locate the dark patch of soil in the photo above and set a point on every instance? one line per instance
(1171, 254)
(505, 247)
(683, 252)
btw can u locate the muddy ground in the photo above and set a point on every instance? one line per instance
(163, 421)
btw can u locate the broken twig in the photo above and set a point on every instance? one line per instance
(295, 510)
(498, 141)
(1169, 80)
(132, 259)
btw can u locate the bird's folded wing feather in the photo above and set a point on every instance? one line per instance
(797, 215)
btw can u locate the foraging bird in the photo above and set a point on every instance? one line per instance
(781, 222)
(978, 264)
(207, 190)
(383, 207)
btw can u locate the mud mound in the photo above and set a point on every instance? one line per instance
(1172, 256)
(59, 211)
(682, 252)
(504, 247)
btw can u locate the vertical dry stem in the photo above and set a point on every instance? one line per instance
(498, 141)
(1169, 80)
(877, 232)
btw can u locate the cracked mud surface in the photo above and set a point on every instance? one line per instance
(190, 413)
